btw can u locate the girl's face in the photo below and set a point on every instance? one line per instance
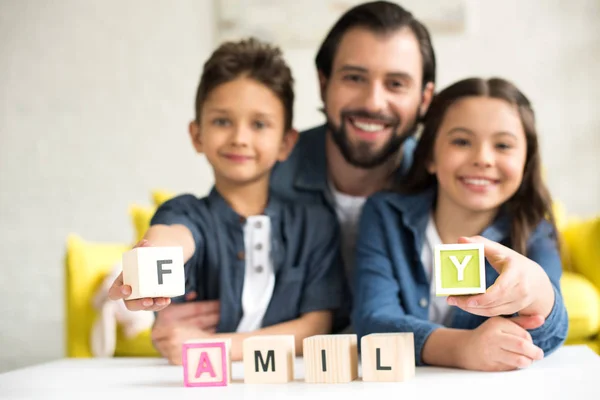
(479, 154)
(241, 131)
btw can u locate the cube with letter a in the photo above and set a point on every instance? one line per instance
(459, 269)
(154, 272)
(206, 362)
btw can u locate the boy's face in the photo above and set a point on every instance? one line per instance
(241, 131)
(374, 95)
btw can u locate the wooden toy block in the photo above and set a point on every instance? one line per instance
(269, 359)
(330, 358)
(459, 269)
(206, 362)
(154, 272)
(388, 357)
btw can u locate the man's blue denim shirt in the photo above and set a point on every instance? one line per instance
(304, 250)
(392, 292)
(303, 177)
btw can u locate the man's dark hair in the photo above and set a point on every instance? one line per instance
(381, 17)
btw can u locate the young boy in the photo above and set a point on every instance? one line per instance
(274, 266)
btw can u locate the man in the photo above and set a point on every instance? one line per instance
(376, 71)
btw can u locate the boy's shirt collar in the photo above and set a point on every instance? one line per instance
(224, 211)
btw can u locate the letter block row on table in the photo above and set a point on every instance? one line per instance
(385, 357)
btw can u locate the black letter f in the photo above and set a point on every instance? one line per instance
(161, 271)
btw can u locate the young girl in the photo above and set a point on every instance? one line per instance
(274, 266)
(475, 179)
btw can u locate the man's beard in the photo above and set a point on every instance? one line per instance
(362, 155)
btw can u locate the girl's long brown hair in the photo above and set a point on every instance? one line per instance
(532, 202)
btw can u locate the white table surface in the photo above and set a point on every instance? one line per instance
(571, 373)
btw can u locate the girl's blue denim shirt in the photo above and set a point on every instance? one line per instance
(392, 292)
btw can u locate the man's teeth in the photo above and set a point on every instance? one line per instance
(368, 127)
(478, 182)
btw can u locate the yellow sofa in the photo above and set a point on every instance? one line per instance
(581, 280)
(88, 263)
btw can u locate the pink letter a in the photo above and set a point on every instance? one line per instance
(204, 365)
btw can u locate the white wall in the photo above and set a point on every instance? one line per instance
(96, 96)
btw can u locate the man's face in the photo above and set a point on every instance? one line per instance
(374, 95)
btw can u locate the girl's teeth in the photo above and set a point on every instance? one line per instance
(478, 182)
(368, 127)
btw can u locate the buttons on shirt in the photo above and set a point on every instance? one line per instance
(258, 224)
(423, 302)
(258, 269)
(258, 247)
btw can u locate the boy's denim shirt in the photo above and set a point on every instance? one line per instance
(392, 292)
(304, 251)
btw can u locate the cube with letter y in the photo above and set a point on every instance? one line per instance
(459, 269)
(330, 358)
(269, 359)
(206, 362)
(388, 357)
(154, 272)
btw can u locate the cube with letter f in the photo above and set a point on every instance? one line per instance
(154, 272)
(459, 269)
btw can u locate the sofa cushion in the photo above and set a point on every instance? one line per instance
(140, 218)
(86, 266)
(141, 215)
(581, 239)
(159, 196)
(582, 301)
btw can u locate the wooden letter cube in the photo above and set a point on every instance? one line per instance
(154, 272)
(388, 357)
(330, 358)
(206, 362)
(269, 359)
(459, 269)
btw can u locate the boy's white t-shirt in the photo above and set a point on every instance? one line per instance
(259, 276)
(439, 310)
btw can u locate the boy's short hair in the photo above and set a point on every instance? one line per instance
(254, 59)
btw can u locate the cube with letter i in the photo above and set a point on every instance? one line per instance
(388, 357)
(459, 269)
(269, 359)
(330, 358)
(206, 362)
(154, 272)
